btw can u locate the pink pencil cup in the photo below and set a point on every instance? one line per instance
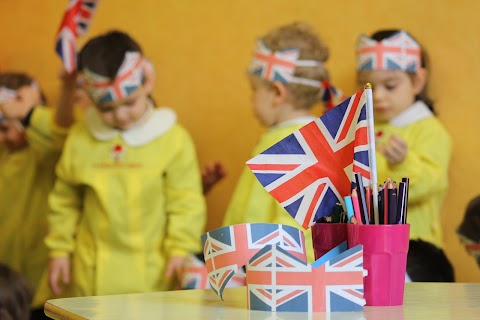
(327, 236)
(385, 249)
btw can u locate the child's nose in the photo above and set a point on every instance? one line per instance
(121, 114)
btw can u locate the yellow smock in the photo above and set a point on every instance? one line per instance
(26, 178)
(426, 164)
(124, 202)
(251, 203)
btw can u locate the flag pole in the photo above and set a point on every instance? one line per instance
(371, 152)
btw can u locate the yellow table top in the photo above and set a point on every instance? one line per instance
(436, 301)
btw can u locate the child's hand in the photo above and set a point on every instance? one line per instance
(395, 150)
(175, 267)
(58, 268)
(211, 175)
(69, 80)
(18, 108)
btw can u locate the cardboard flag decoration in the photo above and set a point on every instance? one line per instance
(279, 281)
(311, 170)
(75, 23)
(278, 276)
(228, 249)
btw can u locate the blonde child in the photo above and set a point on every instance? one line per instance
(411, 141)
(30, 143)
(127, 206)
(281, 101)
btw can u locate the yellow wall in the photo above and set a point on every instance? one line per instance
(201, 49)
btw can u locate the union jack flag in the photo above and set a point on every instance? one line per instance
(227, 249)
(195, 275)
(75, 23)
(397, 52)
(275, 66)
(279, 281)
(129, 77)
(311, 170)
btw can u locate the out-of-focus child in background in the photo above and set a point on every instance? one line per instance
(15, 295)
(469, 229)
(410, 140)
(31, 137)
(428, 263)
(127, 206)
(288, 77)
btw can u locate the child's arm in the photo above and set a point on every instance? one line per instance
(185, 204)
(425, 163)
(64, 114)
(65, 207)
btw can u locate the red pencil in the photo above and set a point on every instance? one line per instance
(356, 207)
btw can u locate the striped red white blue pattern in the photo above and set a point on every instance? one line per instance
(75, 23)
(227, 249)
(397, 52)
(195, 275)
(129, 77)
(274, 65)
(311, 170)
(279, 281)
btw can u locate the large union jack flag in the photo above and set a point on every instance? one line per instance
(279, 281)
(75, 23)
(397, 52)
(227, 249)
(311, 170)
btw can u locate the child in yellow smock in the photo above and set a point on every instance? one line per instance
(127, 206)
(410, 140)
(30, 143)
(282, 98)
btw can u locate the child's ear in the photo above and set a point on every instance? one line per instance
(420, 80)
(149, 82)
(281, 92)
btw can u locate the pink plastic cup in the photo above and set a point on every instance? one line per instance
(327, 236)
(385, 249)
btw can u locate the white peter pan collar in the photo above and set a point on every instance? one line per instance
(304, 120)
(157, 122)
(414, 113)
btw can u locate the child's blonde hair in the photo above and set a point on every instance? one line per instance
(302, 36)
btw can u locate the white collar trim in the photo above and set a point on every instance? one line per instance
(300, 121)
(157, 122)
(416, 112)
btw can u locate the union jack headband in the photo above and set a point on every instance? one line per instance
(280, 65)
(129, 77)
(397, 52)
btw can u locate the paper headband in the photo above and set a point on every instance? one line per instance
(129, 77)
(280, 65)
(397, 52)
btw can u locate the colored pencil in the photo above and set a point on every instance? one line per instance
(362, 200)
(356, 207)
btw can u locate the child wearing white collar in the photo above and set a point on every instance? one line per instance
(127, 206)
(411, 141)
(287, 76)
